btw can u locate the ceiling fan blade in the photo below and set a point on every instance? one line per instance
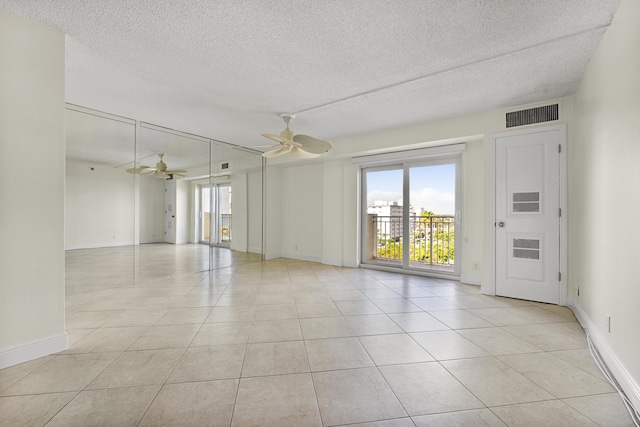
(300, 153)
(268, 146)
(312, 145)
(176, 171)
(278, 138)
(278, 152)
(139, 169)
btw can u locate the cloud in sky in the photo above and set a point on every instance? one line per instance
(438, 202)
(429, 199)
(387, 196)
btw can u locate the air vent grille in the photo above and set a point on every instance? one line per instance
(532, 115)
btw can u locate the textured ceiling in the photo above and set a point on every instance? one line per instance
(225, 69)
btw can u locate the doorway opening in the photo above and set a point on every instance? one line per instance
(215, 226)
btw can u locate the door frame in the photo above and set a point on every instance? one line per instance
(491, 224)
(403, 160)
(214, 207)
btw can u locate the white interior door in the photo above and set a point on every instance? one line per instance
(170, 232)
(527, 207)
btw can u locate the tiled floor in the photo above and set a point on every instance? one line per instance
(292, 343)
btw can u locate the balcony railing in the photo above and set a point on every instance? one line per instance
(225, 228)
(431, 240)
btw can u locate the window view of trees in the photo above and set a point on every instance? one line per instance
(431, 238)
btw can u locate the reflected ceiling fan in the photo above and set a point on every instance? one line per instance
(160, 171)
(297, 146)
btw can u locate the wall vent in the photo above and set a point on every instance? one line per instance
(532, 115)
(224, 166)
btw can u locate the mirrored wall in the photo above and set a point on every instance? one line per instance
(148, 204)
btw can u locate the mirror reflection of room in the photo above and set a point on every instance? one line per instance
(151, 205)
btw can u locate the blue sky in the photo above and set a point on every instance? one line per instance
(431, 188)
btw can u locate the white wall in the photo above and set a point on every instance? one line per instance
(273, 212)
(151, 209)
(327, 190)
(246, 185)
(32, 161)
(99, 206)
(604, 196)
(473, 220)
(301, 215)
(333, 177)
(239, 206)
(184, 206)
(254, 186)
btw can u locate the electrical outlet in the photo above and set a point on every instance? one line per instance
(476, 266)
(609, 323)
(296, 247)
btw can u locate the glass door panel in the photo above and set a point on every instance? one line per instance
(383, 233)
(432, 196)
(223, 203)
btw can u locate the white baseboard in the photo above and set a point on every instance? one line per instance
(16, 354)
(620, 373)
(337, 262)
(110, 244)
(255, 250)
(351, 264)
(148, 241)
(268, 256)
(303, 257)
(470, 279)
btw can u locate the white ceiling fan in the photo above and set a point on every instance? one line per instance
(160, 171)
(298, 146)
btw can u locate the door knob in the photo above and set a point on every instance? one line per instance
(501, 224)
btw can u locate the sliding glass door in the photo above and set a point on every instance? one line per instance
(410, 213)
(215, 215)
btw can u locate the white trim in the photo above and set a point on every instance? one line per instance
(268, 257)
(470, 279)
(332, 261)
(630, 387)
(255, 250)
(97, 113)
(351, 264)
(30, 350)
(564, 206)
(146, 241)
(409, 155)
(432, 274)
(490, 288)
(317, 259)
